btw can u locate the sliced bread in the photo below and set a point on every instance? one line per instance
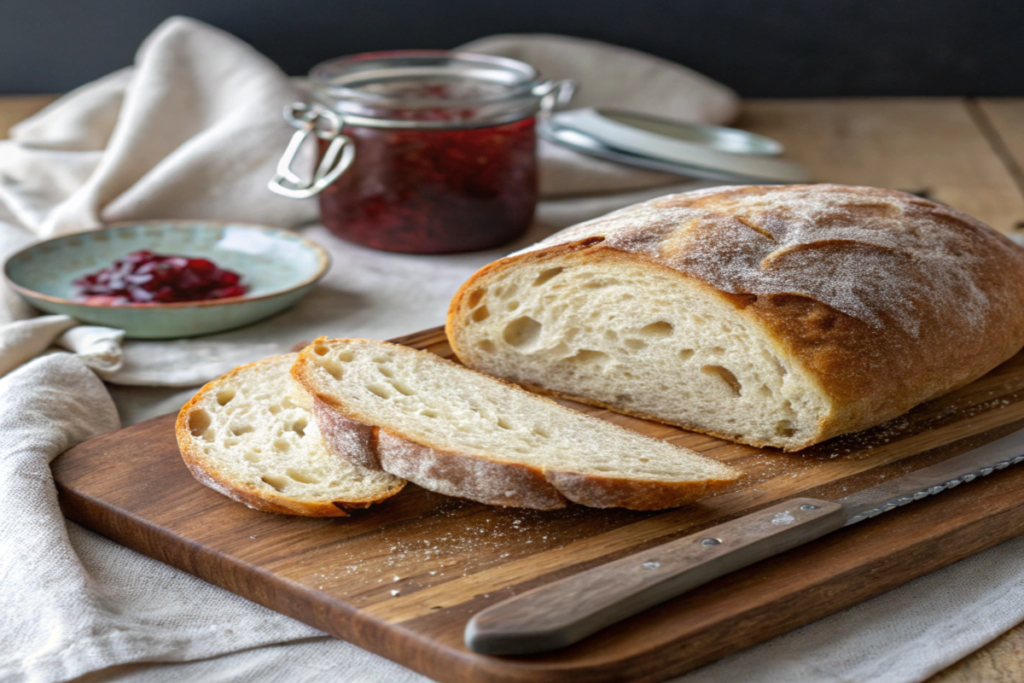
(460, 433)
(243, 436)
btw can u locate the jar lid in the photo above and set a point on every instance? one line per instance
(426, 89)
(687, 149)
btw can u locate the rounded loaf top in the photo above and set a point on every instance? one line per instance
(886, 258)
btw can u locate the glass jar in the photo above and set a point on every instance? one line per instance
(422, 151)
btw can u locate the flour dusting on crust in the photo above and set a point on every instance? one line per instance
(877, 255)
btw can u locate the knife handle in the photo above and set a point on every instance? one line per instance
(559, 614)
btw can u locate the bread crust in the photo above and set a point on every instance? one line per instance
(485, 480)
(215, 478)
(871, 369)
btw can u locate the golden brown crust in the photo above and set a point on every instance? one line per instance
(467, 476)
(211, 476)
(952, 309)
(478, 478)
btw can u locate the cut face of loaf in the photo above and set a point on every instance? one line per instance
(460, 433)
(637, 339)
(245, 437)
(770, 315)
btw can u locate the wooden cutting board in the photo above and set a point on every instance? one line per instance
(401, 579)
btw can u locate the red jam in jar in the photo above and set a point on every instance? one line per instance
(444, 149)
(435, 191)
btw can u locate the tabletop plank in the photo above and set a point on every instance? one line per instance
(14, 108)
(1002, 660)
(938, 146)
(930, 146)
(1005, 119)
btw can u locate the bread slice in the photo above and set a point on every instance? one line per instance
(460, 433)
(243, 435)
(771, 315)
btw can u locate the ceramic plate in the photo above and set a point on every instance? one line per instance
(279, 267)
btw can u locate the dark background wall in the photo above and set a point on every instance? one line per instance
(766, 48)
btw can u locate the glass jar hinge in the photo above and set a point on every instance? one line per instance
(326, 125)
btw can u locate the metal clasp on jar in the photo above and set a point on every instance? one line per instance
(326, 125)
(553, 95)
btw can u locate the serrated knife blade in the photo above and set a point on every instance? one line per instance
(561, 613)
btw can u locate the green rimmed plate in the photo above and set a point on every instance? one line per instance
(279, 266)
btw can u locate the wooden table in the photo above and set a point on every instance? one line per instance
(966, 153)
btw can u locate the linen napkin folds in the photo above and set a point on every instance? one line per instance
(194, 130)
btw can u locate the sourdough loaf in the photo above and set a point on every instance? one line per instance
(243, 436)
(769, 315)
(460, 433)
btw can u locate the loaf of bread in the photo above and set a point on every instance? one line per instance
(460, 433)
(769, 315)
(243, 435)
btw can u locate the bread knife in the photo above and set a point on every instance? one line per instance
(564, 612)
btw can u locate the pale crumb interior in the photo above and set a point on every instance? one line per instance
(643, 340)
(440, 404)
(252, 432)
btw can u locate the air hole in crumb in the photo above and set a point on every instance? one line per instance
(779, 367)
(299, 426)
(764, 392)
(402, 387)
(726, 376)
(658, 329)
(590, 357)
(611, 335)
(332, 368)
(784, 428)
(379, 390)
(225, 395)
(599, 284)
(346, 356)
(512, 305)
(481, 314)
(277, 483)
(274, 409)
(522, 332)
(635, 344)
(386, 371)
(486, 345)
(238, 430)
(475, 296)
(546, 275)
(321, 350)
(429, 412)
(287, 403)
(381, 359)
(301, 477)
(686, 354)
(717, 350)
(252, 457)
(504, 424)
(282, 446)
(199, 423)
(540, 431)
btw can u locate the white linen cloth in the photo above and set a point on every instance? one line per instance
(74, 603)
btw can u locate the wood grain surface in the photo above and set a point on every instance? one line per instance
(892, 142)
(401, 579)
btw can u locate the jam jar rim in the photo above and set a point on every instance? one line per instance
(518, 101)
